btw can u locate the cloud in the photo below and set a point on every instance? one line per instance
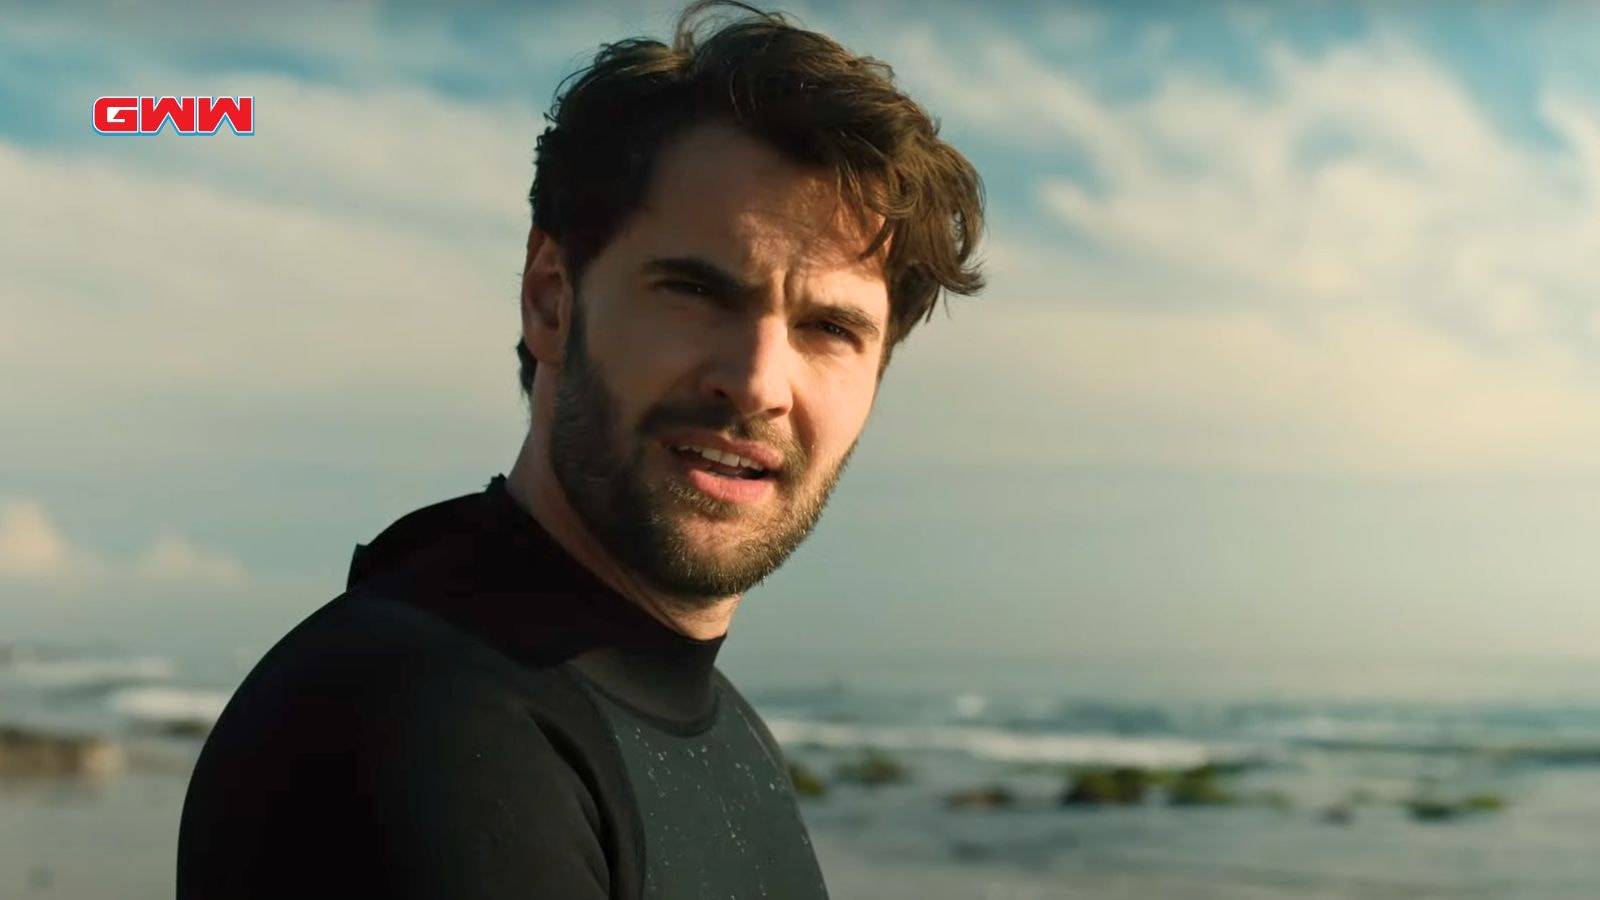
(1366, 176)
(30, 546)
(1364, 393)
(173, 558)
(354, 45)
(350, 272)
(1345, 268)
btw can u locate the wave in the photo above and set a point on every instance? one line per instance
(1544, 736)
(81, 673)
(1011, 747)
(1553, 753)
(1022, 714)
(169, 704)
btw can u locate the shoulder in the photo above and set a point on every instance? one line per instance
(378, 739)
(371, 676)
(362, 654)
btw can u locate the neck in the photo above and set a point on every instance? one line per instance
(533, 485)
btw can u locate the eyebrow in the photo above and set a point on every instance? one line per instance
(721, 281)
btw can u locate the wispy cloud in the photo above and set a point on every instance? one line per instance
(1258, 254)
(173, 558)
(30, 547)
(235, 279)
(33, 549)
(1347, 267)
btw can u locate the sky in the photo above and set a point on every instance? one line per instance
(1291, 343)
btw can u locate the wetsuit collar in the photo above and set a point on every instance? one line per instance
(644, 664)
(485, 564)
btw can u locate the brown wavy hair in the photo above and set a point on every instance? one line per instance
(800, 92)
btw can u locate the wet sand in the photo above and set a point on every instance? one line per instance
(116, 840)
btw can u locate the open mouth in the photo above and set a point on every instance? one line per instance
(723, 465)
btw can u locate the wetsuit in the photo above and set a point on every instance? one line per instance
(479, 717)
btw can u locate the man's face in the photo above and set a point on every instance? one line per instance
(731, 314)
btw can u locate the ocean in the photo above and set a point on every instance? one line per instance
(945, 776)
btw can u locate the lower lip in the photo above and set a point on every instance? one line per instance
(728, 490)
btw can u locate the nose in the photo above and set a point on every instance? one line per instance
(752, 368)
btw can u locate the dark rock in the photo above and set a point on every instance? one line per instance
(182, 728)
(1198, 787)
(872, 768)
(806, 783)
(1430, 808)
(1115, 787)
(26, 753)
(991, 797)
(1199, 792)
(1336, 815)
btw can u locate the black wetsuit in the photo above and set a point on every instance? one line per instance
(479, 717)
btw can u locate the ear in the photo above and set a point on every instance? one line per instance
(546, 299)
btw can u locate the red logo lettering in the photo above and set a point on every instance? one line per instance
(188, 115)
(116, 115)
(154, 112)
(239, 111)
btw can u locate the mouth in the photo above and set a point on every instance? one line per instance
(721, 465)
(724, 478)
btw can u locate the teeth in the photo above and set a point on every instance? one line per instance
(727, 459)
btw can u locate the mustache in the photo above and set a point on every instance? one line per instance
(725, 420)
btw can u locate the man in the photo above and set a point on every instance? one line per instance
(516, 695)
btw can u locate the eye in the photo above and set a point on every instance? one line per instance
(834, 329)
(693, 288)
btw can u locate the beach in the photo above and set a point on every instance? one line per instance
(958, 782)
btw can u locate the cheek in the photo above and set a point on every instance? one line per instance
(656, 345)
(839, 407)
(640, 357)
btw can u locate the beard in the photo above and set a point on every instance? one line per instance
(601, 466)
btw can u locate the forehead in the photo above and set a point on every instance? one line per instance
(719, 193)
